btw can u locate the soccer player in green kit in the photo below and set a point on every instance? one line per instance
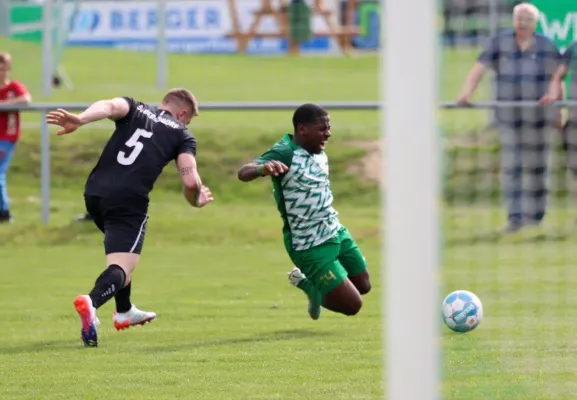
(329, 266)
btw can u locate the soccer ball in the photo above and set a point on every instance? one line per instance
(462, 311)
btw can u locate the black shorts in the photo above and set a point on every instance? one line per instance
(123, 222)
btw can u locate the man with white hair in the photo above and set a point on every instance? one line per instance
(523, 62)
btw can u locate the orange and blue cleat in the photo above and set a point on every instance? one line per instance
(87, 313)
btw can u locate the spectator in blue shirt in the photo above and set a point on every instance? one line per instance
(523, 63)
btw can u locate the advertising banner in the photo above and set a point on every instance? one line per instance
(197, 26)
(558, 20)
(25, 20)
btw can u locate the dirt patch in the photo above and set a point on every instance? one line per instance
(369, 166)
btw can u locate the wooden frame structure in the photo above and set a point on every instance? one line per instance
(343, 33)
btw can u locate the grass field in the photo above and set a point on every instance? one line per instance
(229, 325)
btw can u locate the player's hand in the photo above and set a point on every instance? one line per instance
(464, 99)
(68, 121)
(274, 167)
(204, 197)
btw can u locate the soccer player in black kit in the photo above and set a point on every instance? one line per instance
(117, 191)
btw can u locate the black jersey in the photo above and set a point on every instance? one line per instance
(142, 144)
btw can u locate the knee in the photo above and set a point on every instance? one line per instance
(362, 282)
(365, 287)
(353, 307)
(126, 261)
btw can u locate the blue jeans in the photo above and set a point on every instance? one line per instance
(6, 152)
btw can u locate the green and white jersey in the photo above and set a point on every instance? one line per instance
(303, 195)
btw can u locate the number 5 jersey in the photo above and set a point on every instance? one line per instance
(142, 144)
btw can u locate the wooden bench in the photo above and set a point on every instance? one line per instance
(343, 33)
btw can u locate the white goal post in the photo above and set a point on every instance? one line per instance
(410, 209)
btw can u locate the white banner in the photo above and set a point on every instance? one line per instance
(197, 26)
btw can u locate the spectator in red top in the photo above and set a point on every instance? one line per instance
(11, 93)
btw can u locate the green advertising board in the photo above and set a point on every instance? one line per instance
(26, 23)
(558, 20)
(25, 20)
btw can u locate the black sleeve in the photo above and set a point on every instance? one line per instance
(188, 144)
(132, 108)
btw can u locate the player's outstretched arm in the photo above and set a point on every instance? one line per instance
(114, 109)
(253, 170)
(194, 191)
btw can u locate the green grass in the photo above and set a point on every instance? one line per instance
(241, 78)
(229, 324)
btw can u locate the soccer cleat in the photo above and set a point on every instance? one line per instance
(296, 277)
(87, 313)
(132, 317)
(314, 307)
(5, 217)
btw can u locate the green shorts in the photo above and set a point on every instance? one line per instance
(329, 264)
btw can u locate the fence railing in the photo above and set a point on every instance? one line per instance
(286, 106)
(232, 106)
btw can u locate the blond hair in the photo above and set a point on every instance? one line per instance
(6, 59)
(182, 96)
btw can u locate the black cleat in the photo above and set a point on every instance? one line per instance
(5, 217)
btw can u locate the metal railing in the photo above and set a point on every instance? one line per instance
(232, 106)
(289, 106)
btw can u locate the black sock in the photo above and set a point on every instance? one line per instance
(122, 298)
(107, 284)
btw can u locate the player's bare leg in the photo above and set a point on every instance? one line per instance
(344, 299)
(362, 282)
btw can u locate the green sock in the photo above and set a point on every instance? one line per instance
(306, 286)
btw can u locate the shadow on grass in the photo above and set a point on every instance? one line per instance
(42, 346)
(72, 345)
(266, 337)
